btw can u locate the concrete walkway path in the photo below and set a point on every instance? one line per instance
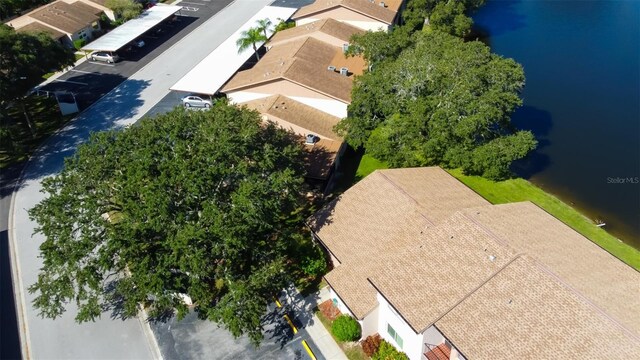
(109, 337)
(303, 310)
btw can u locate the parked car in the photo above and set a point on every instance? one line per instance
(195, 101)
(138, 43)
(105, 56)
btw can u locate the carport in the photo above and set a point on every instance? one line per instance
(132, 29)
(217, 68)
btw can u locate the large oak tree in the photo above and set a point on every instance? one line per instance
(197, 203)
(437, 100)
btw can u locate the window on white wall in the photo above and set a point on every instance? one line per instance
(394, 335)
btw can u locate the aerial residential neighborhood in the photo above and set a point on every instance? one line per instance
(294, 179)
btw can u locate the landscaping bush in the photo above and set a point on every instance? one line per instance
(371, 344)
(386, 351)
(346, 328)
(78, 44)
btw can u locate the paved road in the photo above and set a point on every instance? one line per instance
(107, 337)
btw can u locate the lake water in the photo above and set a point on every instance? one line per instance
(582, 100)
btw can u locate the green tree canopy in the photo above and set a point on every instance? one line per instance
(444, 102)
(25, 58)
(197, 203)
(124, 9)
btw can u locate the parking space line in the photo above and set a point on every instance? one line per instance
(99, 63)
(81, 71)
(293, 327)
(306, 347)
(72, 82)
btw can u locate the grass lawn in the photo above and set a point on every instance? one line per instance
(45, 118)
(514, 190)
(352, 350)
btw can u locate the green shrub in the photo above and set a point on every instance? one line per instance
(78, 44)
(345, 328)
(386, 351)
(284, 25)
(371, 344)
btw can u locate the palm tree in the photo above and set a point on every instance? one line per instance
(250, 38)
(264, 25)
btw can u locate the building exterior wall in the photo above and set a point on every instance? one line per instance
(412, 343)
(330, 106)
(370, 323)
(294, 91)
(319, 35)
(348, 16)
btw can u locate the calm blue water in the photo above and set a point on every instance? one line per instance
(582, 100)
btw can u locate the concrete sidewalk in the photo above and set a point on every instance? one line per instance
(303, 310)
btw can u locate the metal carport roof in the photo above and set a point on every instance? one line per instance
(127, 32)
(214, 70)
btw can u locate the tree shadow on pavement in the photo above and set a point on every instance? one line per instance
(111, 112)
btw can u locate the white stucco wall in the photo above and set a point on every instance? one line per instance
(333, 107)
(330, 106)
(372, 25)
(370, 323)
(412, 342)
(244, 96)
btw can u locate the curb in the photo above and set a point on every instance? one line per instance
(18, 285)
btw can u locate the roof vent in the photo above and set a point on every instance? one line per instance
(345, 48)
(492, 257)
(383, 4)
(344, 71)
(311, 139)
(331, 68)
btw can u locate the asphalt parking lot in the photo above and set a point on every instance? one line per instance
(91, 80)
(192, 338)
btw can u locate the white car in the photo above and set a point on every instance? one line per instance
(104, 56)
(195, 101)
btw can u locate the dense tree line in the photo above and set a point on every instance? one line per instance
(205, 204)
(24, 59)
(9, 8)
(431, 98)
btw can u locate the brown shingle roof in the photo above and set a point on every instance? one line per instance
(606, 281)
(296, 113)
(36, 27)
(320, 158)
(66, 17)
(386, 205)
(304, 62)
(382, 213)
(438, 269)
(331, 27)
(385, 14)
(524, 312)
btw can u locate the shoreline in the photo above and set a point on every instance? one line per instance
(623, 233)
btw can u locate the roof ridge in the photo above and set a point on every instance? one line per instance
(518, 256)
(406, 194)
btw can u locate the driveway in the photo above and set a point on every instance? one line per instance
(108, 337)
